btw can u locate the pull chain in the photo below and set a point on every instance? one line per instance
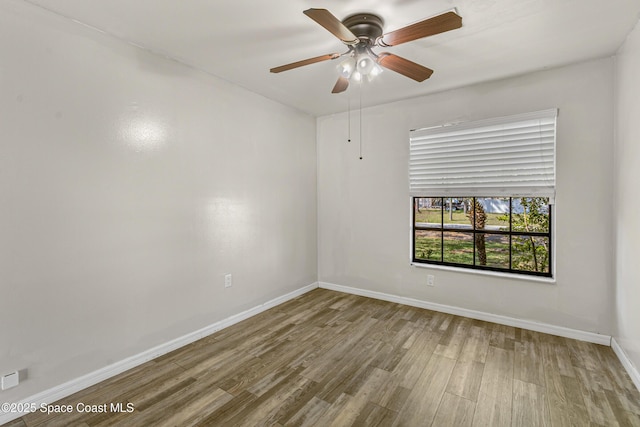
(360, 107)
(349, 117)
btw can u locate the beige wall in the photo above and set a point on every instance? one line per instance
(627, 185)
(129, 185)
(364, 206)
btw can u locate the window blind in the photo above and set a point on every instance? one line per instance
(507, 156)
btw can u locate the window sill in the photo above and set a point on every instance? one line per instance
(511, 276)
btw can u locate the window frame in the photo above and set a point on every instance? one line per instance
(473, 231)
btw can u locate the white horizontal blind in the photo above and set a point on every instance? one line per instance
(507, 156)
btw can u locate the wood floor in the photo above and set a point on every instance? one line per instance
(328, 358)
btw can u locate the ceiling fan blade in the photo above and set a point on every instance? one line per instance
(436, 25)
(304, 62)
(332, 24)
(405, 67)
(341, 85)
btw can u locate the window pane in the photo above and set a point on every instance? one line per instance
(497, 212)
(511, 234)
(456, 212)
(428, 211)
(531, 214)
(496, 252)
(530, 253)
(428, 245)
(458, 247)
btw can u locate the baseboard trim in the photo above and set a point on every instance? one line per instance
(626, 362)
(66, 389)
(479, 315)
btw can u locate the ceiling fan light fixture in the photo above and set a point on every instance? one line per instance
(365, 65)
(360, 64)
(347, 67)
(376, 70)
(365, 61)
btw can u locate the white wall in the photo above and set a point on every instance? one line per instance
(129, 184)
(627, 180)
(364, 205)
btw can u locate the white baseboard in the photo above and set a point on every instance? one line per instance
(63, 390)
(626, 362)
(480, 315)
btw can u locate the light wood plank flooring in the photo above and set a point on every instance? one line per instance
(333, 359)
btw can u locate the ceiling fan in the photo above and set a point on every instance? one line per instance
(361, 33)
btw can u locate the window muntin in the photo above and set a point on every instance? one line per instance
(506, 234)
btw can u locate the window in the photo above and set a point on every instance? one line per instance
(483, 192)
(491, 233)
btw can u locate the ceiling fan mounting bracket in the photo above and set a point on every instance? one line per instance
(366, 26)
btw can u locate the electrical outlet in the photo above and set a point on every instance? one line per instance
(228, 280)
(9, 380)
(431, 280)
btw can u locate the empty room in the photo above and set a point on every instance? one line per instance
(335, 213)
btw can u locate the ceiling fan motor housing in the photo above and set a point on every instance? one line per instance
(366, 26)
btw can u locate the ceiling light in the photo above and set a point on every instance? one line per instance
(365, 64)
(347, 67)
(375, 71)
(365, 61)
(360, 63)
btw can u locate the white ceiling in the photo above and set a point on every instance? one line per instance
(240, 40)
